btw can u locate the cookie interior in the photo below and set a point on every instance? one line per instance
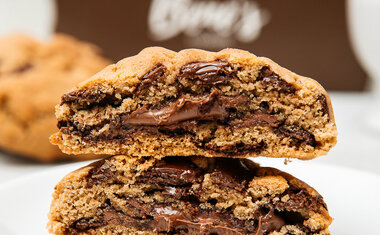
(213, 108)
(185, 195)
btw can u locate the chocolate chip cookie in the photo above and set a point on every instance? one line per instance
(230, 103)
(33, 76)
(185, 195)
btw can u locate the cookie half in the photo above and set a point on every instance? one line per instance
(33, 76)
(194, 102)
(185, 195)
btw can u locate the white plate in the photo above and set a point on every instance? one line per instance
(351, 195)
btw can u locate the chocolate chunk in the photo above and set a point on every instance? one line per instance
(175, 192)
(234, 101)
(259, 119)
(269, 78)
(86, 224)
(88, 98)
(139, 209)
(112, 216)
(204, 108)
(151, 78)
(269, 222)
(232, 173)
(83, 97)
(298, 134)
(207, 73)
(238, 169)
(101, 172)
(174, 171)
(179, 129)
(299, 199)
(323, 101)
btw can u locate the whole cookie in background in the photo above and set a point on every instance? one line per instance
(33, 77)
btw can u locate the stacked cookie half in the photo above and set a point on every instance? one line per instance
(181, 127)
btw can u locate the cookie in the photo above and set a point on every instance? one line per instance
(184, 195)
(33, 76)
(230, 103)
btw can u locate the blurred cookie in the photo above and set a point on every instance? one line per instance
(185, 195)
(229, 103)
(33, 76)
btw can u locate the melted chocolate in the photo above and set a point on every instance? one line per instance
(205, 108)
(207, 73)
(269, 222)
(174, 177)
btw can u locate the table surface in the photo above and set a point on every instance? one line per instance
(358, 142)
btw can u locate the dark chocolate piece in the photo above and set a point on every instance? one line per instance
(232, 173)
(101, 172)
(87, 98)
(206, 108)
(259, 119)
(151, 78)
(83, 97)
(234, 101)
(325, 109)
(299, 198)
(207, 73)
(173, 172)
(269, 78)
(297, 134)
(86, 224)
(269, 222)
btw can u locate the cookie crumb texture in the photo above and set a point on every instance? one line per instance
(185, 195)
(33, 76)
(229, 103)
